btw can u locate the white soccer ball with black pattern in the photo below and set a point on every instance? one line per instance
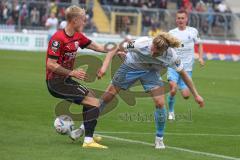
(64, 124)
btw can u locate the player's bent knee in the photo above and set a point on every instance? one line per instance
(186, 97)
(186, 94)
(91, 93)
(110, 93)
(173, 92)
(159, 104)
(91, 101)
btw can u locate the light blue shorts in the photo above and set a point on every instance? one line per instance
(174, 76)
(126, 76)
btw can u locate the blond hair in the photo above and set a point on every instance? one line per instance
(164, 40)
(74, 11)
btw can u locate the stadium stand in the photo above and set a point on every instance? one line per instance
(213, 18)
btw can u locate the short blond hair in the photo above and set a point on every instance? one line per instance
(74, 11)
(164, 40)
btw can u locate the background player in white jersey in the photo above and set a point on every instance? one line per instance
(144, 60)
(52, 25)
(188, 36)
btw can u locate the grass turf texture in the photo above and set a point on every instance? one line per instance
(27, 115)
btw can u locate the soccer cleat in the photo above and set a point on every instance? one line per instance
(159, 143)
(97, 138)
(76, 134)
(171, 116)
(93, 144)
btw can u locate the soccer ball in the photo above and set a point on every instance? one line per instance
(64, 124)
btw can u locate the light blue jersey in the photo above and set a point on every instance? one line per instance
(140, 65)
(139, 56)
(188, 38)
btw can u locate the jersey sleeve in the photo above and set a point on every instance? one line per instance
(54, 48)
(84, 41)
(138, 44)
(196, 37)
(175, 61)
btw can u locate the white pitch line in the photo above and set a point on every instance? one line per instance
(174, 148)
(176, 134)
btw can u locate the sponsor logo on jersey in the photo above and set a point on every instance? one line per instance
(55, 45)
(178, 62)
(71, 55)
(130, 44)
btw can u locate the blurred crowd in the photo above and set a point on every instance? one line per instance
(202, 12)
(34, 13)
(189, 5)
(137, 3)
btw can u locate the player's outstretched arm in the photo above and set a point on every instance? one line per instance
(200, 51)
(192, 88)
(97, 47)
(106, 62)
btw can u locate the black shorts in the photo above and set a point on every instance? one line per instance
(67, 89)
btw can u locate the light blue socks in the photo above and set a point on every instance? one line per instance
(160, 120)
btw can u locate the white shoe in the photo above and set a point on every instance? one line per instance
(76, 134)
(171, 116)
(159, 143)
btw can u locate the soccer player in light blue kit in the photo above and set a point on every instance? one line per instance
(188, 37)
(145, 58)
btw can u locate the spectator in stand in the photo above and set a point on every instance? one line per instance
(146, 24)
(202, 18)
(10, 21)
(52, 25)
(126, 25)
(24, 13)
(61, 14)
(210, 18)
(222, 7)
(162, 4)
(15, 11)
(223, 20)
(201, 7)
(53, 7)
(5, 13)
(179, 4)
(187, 6)
(194, 3)
(82, 1)
(1, 12)
(34, 17)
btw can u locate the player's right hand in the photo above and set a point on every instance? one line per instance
(121, 53)
(79, 74)
(201, 61)
(199, 100)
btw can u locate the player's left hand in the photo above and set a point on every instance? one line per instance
(199, 100)
(201, 61)
(100, 73)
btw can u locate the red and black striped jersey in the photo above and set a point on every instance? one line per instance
(64, 48)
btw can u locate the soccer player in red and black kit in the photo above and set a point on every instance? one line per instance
(60, 59)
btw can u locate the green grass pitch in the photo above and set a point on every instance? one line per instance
(27, 115)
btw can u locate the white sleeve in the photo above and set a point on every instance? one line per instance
(62, 24)
(137, 44)
(196, 37)
(175, 62)
(47, 22)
